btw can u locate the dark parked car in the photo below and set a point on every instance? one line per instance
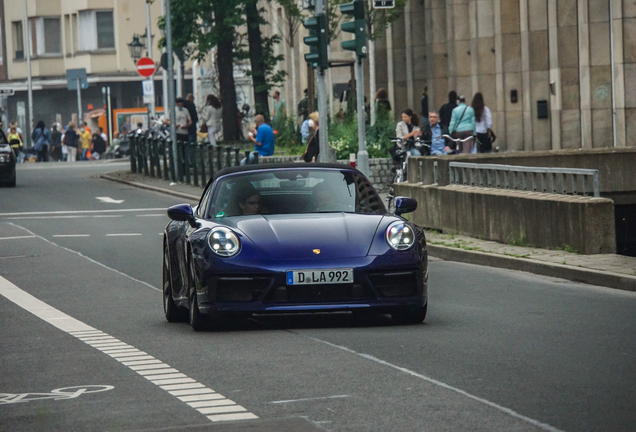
(7, 162)
(292, 238)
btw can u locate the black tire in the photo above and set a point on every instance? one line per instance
(172, 312)
(11, 182)
(197, 319)
(411, 315)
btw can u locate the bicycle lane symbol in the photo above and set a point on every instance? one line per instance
(57, 394)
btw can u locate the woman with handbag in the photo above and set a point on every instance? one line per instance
(462, 125)
(211, 116)
(41, 141)
(483, 123)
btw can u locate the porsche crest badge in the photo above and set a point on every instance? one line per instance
(317, 251)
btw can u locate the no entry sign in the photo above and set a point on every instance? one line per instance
(146, 66)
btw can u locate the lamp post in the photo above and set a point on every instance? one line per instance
(135, 48)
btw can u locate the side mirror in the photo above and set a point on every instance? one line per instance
(183, 213)
(404, 205)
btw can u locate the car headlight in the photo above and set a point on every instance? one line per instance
(224, 242)
(400, 236)
(2, 159)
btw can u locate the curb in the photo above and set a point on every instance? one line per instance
(576, 274)
(152, 188)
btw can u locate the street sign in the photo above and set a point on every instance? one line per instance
(309, 4)
(146, 66)
(72, 75)
(4, 93)
(149, 91)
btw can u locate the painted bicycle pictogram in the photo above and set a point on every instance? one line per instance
(57, 394)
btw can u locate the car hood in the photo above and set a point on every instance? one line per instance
(334, 235)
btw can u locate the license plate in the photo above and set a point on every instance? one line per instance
(315, 277)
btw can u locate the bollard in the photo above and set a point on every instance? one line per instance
(192, 154)
(164, 156)
(247, 157)
(219, 158)
(180, 160)
(133, 160)
(185, 161)
(210, 148)
(256, 158)
(237, 162)
(144, 155)
(155, 145)
(202, 163)
(228, 157)
(170, 156)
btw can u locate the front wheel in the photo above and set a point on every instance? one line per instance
(410, 316)
(197, 319)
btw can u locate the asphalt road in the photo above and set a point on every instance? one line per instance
(80, 310)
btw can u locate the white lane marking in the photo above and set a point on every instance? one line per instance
(109, 200)
(191, 392)
(200, 397)
(107, 216)
(45, 217)
(61, 212)
(157, 371)
(310, 399)
(498, 407)
(89, 259)
(211, 403)
(16, 237)
(123, 235)
(70, 235)
(82, 331)
(147, 367)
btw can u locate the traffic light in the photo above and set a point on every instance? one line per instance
(317, 41)
(357, 26)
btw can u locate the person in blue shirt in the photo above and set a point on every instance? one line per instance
(263, 139)
(432, 134)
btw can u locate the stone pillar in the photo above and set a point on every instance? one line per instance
(499, 118)
(389, 67)
(555, 75)
(526, 96)
(408, 45)
(616, 21)
(584, 73)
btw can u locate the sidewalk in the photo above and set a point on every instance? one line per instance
(609, 270)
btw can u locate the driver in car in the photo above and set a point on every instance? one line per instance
(249, 200)
(324, 199)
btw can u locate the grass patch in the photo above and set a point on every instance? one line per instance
(568, 248)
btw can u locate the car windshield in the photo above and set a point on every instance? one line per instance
(293, 191)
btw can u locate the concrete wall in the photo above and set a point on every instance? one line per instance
(534, 219)
(615, 165)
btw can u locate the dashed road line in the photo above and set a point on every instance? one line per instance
(70, 235)
(216, 407)
(17, 237)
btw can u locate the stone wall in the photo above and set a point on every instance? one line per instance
(380, 169)
(542, 220)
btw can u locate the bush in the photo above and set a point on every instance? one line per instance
(287, 136)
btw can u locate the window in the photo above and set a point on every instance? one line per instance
(18, 40)
(47, 35)
(96, 30)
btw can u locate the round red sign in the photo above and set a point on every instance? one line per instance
(146, 66)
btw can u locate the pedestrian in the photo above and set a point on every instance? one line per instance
(446, 111)
(303, 107)
(85, 143)
(463, 126)
(212, 117)
(14, 124)
(182, 119)
(408, 129)
(279, 107)
(262, 137)
(71, 141)
(188, 103)
(313, 146)
(305, 130)
(424, 104)
(382, 105)
(483, 123)
(432, 132)
(41, 141)
(103, 135)
(56, 143)
(15, 142)
(98, 146)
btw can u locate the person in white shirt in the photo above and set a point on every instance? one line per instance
(408, 129)
(212, 117)
(483, 123)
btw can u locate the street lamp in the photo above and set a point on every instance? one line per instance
(135, 48)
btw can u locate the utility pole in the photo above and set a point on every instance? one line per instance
(359, 45)
(164, 75)
(151, 106)
(27, 49)
(171, 99)
(318, 41)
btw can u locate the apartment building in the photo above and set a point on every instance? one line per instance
(73, 34)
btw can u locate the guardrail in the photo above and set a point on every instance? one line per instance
(197, 161)
(538, 179)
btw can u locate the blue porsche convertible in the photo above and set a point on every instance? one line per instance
(284, 238)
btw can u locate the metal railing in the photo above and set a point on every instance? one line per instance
(538, 179)
(197, 161)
